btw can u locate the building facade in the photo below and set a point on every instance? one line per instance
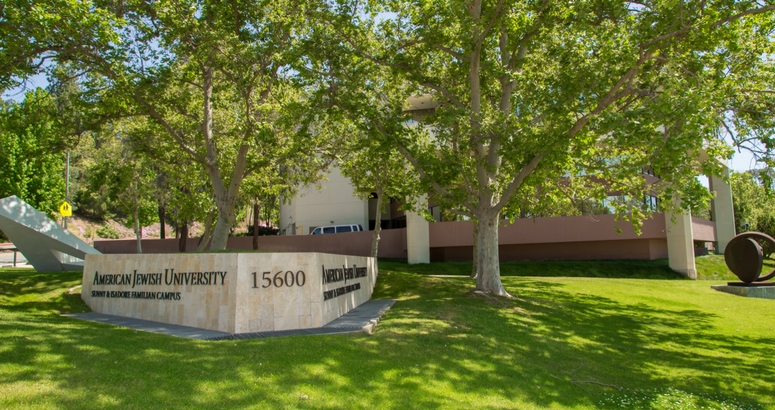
(677, 237)
(333, 202)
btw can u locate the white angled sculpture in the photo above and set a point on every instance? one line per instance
(47, 246)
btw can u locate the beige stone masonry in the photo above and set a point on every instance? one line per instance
(229, 292)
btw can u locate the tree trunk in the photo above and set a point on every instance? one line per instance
(225, 196)
(377, 225)
(183, 237)
(255, 224)
(475, 267)
(270, 203)
(162, 217)
(489, 277)
(138, 235)
(207, 235)
(225, 221)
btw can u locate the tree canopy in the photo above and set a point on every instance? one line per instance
(752, 199)
(31, 154)
(531, 102)
(538, 96)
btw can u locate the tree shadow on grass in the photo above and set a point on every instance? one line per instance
(624, 269)
(25, 290)
(583, 337)
(439, 347)
(17, 283)
(662, 343)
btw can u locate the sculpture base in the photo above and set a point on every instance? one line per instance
(766, 291)
(752, 284)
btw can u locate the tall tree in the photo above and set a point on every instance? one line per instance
(221, 96)
(752, 198)
(534, 92)
(31, 156)
(183, 186)
(378, 169)
(360, 109)
(211, 75)
(128, 178)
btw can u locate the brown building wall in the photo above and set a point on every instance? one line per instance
(596, 250)
(149, 245)
(550, 230)
(392, 244)
(703, 230)
(394, 211)
(570, 238)
(658, 248)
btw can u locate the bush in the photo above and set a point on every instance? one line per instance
(262, 231)
(766, 224)
(108, 232)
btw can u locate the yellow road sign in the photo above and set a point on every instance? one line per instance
(65, 209)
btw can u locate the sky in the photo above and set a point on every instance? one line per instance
(743, 161)
(17, 94)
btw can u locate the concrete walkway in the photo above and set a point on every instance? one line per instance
(148, 326)
(361, 319)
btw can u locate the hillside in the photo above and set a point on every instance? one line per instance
(87, 229)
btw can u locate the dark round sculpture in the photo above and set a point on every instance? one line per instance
(744, 257)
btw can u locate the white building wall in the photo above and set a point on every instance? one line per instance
(334, 204)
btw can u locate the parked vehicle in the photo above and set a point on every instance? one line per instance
(320, 230)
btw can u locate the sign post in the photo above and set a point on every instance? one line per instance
(65, 207)
(65, 210)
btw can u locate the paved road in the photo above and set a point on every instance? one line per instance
(6, 260)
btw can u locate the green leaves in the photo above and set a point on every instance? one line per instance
(35, 33)
(574, 81)
(31, 159)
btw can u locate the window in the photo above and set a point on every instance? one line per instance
(608, 203)
(399, 222)
(650, 171)
(317, 231)
(344, 229)
(651, 202)
(436, 213)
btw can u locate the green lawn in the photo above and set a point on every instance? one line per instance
(563, 342)
(656, 269)
(709, 267)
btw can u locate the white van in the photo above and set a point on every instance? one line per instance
(320, 230)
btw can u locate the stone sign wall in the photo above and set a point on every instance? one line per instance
(229, 292)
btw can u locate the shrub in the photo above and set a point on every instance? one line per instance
(262, 231)
(108, 232)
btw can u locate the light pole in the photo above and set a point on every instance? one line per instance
(67, 184)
